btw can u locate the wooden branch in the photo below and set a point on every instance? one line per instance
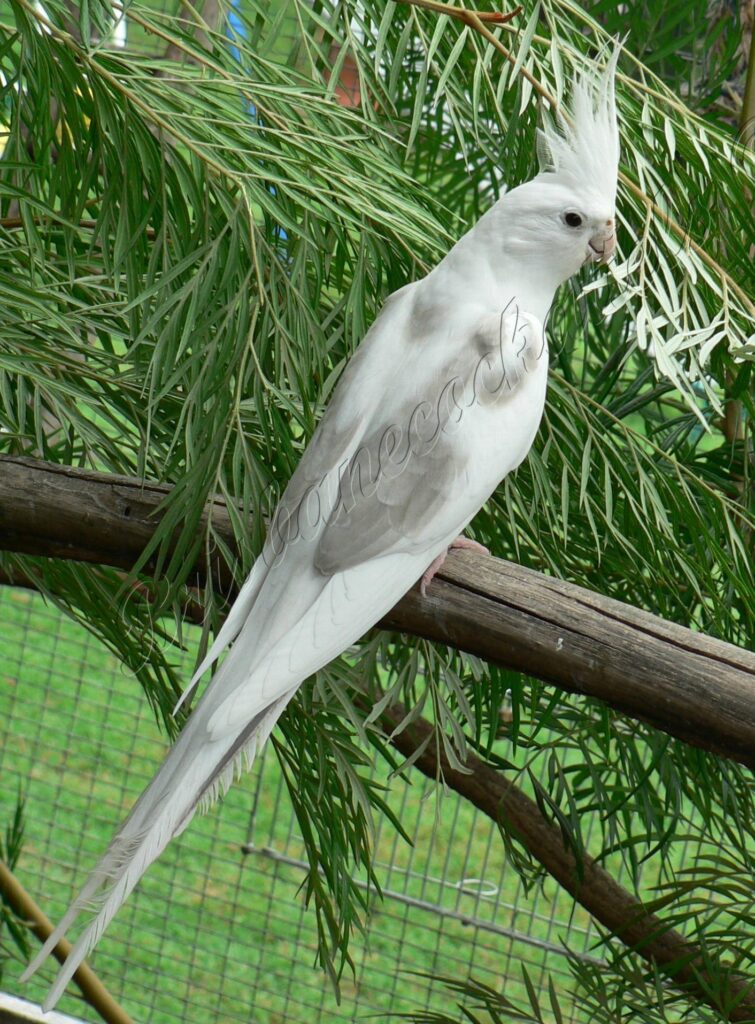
(689, 685)
(589, 883)
(462, 14)
(79, 515)
(92, 989)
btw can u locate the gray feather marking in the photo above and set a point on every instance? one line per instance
(394, 495)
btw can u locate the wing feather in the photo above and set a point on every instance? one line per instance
(410, 480)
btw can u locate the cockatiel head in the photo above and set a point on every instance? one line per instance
(567, 211)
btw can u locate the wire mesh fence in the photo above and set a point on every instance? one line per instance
(218, 930)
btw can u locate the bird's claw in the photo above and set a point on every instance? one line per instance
(432, 569)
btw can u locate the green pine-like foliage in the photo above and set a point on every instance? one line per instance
(194, 237)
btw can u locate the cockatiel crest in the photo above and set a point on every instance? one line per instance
(581, 151)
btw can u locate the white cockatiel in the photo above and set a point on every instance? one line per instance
(441, 400)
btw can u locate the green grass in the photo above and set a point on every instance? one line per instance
(211, 934)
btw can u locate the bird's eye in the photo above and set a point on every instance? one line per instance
(573, 219)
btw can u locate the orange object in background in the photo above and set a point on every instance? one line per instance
(348, 92)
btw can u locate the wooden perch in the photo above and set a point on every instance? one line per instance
(688, 685)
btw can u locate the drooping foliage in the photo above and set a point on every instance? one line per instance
(196, 232)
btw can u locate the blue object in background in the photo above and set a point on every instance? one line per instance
(235, 29)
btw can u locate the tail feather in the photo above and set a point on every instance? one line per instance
(163, 811)
(230, 629)
(307, 619)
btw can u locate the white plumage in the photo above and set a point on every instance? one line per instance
(441, 400)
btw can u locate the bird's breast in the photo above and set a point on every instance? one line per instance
(502, 417)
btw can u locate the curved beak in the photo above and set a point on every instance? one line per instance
(601, 247)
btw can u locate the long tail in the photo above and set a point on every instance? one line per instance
(304, 620)
(196, 771)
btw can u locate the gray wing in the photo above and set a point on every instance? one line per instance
(352, 407)
(407, 486)
(386, 506)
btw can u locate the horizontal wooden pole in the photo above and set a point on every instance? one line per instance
(692, 686)
(77, 514)
(689, 685)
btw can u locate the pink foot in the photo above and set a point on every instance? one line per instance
(432, 569)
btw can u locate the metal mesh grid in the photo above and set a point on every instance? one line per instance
(214, 933)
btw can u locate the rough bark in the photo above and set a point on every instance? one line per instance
(80, 515)
(689, 685)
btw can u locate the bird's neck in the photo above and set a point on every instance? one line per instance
(492, 261)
